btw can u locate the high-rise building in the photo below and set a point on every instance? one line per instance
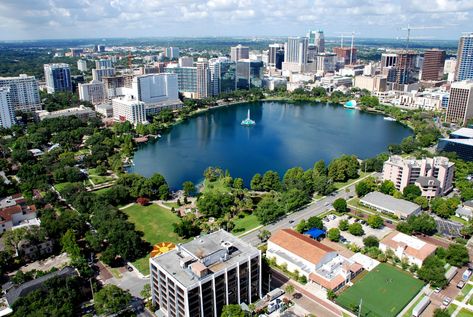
(7, 117)
(186, 61)
(198, 278)
(317, 40)
(58, 77)
(347, 55)
(75, 52)
(103, 63)
(460, 103)
(296, 50)
(99, 73)
(155, 88)
(93, 92)
(388, 60)
(276, 55)
(203, 79)
(405, 65)
(326, 62)
(112, 85)
(82, 65)
(465, 58)
(99, 48)
(239, 52)
(24, 92)
(186, 78)
(249, 74)
(172, 52)
(222, 75)
(432, 67)
(128, 108)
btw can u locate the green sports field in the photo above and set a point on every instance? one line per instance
(384, 291)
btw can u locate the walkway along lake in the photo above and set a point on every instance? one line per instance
(285, 135)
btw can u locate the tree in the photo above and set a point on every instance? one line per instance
(343, 225)
(343, 168)
(186, 229)
(268, 209)
(340, 205)
(387, 187)
(333, 234)
(457, 255)
(233, 310)
(264, 235)
(409, 144)
(255, 183)
(315, 222)
(375, 221)
(238, 183)
(356, 229)
(302, 226)
(444, 207)
(322, 184)
(432, 271)
(371, 241)
(438, 312)
(331, 295)
(111, 299)
(293, 199)
(143, 201)
(365, 186)
(289, 289)
(215, 203)
(422, 201)
(319, 168)
(146, 291)
(294, 179)
(189, 188)
(70, 246)
(411, 192)
(271, 181)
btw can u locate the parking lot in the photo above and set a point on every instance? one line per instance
(448, 228)
(378, 233)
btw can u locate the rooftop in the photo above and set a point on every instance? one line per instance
(464, 133)
(428, 181)
(390, 203)
(412, 246)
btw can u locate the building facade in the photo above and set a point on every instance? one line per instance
(172, 52)
(24, 92)
(58, 77)
(129, 109)
(198, 278)
(432, 67)
(186, 78)
(347, 55)
(317, 40)
(7, 116)
(249, 74)
(203, 79)
(103, 63)
(239, 52)
(460, 103)
(82, 65)
(295, 54)
(99, 73)
(93, 92)
(276, 55)
(406, 247)
(464, 69)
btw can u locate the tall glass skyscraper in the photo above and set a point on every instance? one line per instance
(465, 58)
(58, 77)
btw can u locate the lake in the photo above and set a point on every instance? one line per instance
(285, 135)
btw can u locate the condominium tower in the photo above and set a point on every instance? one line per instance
(58, 77)
(239, 52)
(460, 103)
(198, 278)
(7, 117)
(24, 92)
(295, 54)
(465, 58)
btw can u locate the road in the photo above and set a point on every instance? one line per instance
(313, 209)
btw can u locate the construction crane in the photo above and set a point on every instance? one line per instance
(411, 28)
(342, 35)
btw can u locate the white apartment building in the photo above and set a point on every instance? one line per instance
(295, 54)
(434, 176)
(82, 65)
(93, 92)
(186, 61)
(99, 73)
(81, 112)
(430, 100)
(7, 117)
(24, 92)
(128, 108)
(410, 248)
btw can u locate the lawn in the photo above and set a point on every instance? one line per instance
(465, 313)
(171, 204)
(451, 308)
(384, 291)
(466, 289)
(459, 220)
(98, 179)
(246, 223)
(218, 185)
(339, 185)
(156, 224)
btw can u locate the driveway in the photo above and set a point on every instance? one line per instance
(129, 281)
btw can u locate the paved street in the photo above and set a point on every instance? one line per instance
(314, 209)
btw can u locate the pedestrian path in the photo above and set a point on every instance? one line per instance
(464, 303)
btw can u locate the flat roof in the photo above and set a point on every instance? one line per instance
(464, 132)
(389, 203)
(468, 142)
(200, 248)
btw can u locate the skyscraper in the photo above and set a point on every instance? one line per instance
(239, 52)
(317, 39)
(465, 57)
(346, 54)
(203, 79)
(58, 77)
(186, 79)
(94, 92)
(82, 65)
(388, 60)
(222, 75)
(460, 103)
(172, 52)
(405, 65)
(103, 63)
(24, 92)
(432, 67)
(249, 74)
(98, 74)
(276, 55)
(295, 54)
(7, 118)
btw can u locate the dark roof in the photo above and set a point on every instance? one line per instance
(427, 181)
(24, 289)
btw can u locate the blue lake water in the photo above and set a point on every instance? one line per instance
(285, 135)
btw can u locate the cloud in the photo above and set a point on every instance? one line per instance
(26, 19)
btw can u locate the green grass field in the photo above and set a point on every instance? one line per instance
(98, 179)
(156, 224)
(246, 223)
(339, 185)
(465, 313)
(385, 291)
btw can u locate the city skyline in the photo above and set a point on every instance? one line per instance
(26, 20)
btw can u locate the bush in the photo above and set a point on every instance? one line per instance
(343, 225)
(356, 229)
(340, 205)
(371, 241)
(333, 235)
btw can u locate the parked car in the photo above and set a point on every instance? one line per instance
(291, 221)
(461, 284)
(437, 290)
(446, 301)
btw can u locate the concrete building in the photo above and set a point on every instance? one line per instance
(326, 62)
(295, 54)
(464, 68)
(7, 115)
(276, 55)
(459, 142)
(81, 112)
(346, 55)
(317, 40)
(370, 83)
(105, 109)
(406, 171)
(186, 61)
(460, 104)
(99, 73)
(410, 248)
(239, 52)
(387, 204)
(388, 60)
(16, 213)
(24, 92)
(319, 263)
(103, 64)
(429, 100)
(405, 66)
(82, 65)
(432, 67)
(58, 77)
(186, 79)
(93, 92)
(199, 277)
(203, 79)
(128, 108)
(249, 74)
(272, 83)
(172, 52)
(450, 65)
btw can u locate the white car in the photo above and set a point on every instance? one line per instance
(446, 301)
(437, 290)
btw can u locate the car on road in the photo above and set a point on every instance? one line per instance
(446, 301)
(291, 221)
(129, 268)
(327, 204)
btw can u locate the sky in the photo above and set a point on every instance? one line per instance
(63, 19)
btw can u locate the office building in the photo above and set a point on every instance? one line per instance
(93, 92)
(105, 109)
(346, 55)
(432, 67)
(172, 52)
(370, 83)
(58, 77)
(103, 63)
(7, 115)
(459, 142)
(76, 52)
(81, 112)
(450, 66)
(414, 250)
(388, 60)
(82, 65)
(24, 92)
(460, 104)
(317, 40)
(198, 278)
(407, 171)
(186, 79)
(249, 74)
(128, 108)
(99, 73)
(464, 68)
(99, 48)
(239, 52)
(186, 61)
(203, 79)
(276, 55)
(113, 85)
(326, 62)
(222, 75)
(295, 54)
(387, 204)
(405, 65)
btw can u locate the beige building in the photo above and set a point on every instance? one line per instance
(370, 83)
(460, 104)
(434, 176)
(81, 112)
(94, 92)
(410, 248)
